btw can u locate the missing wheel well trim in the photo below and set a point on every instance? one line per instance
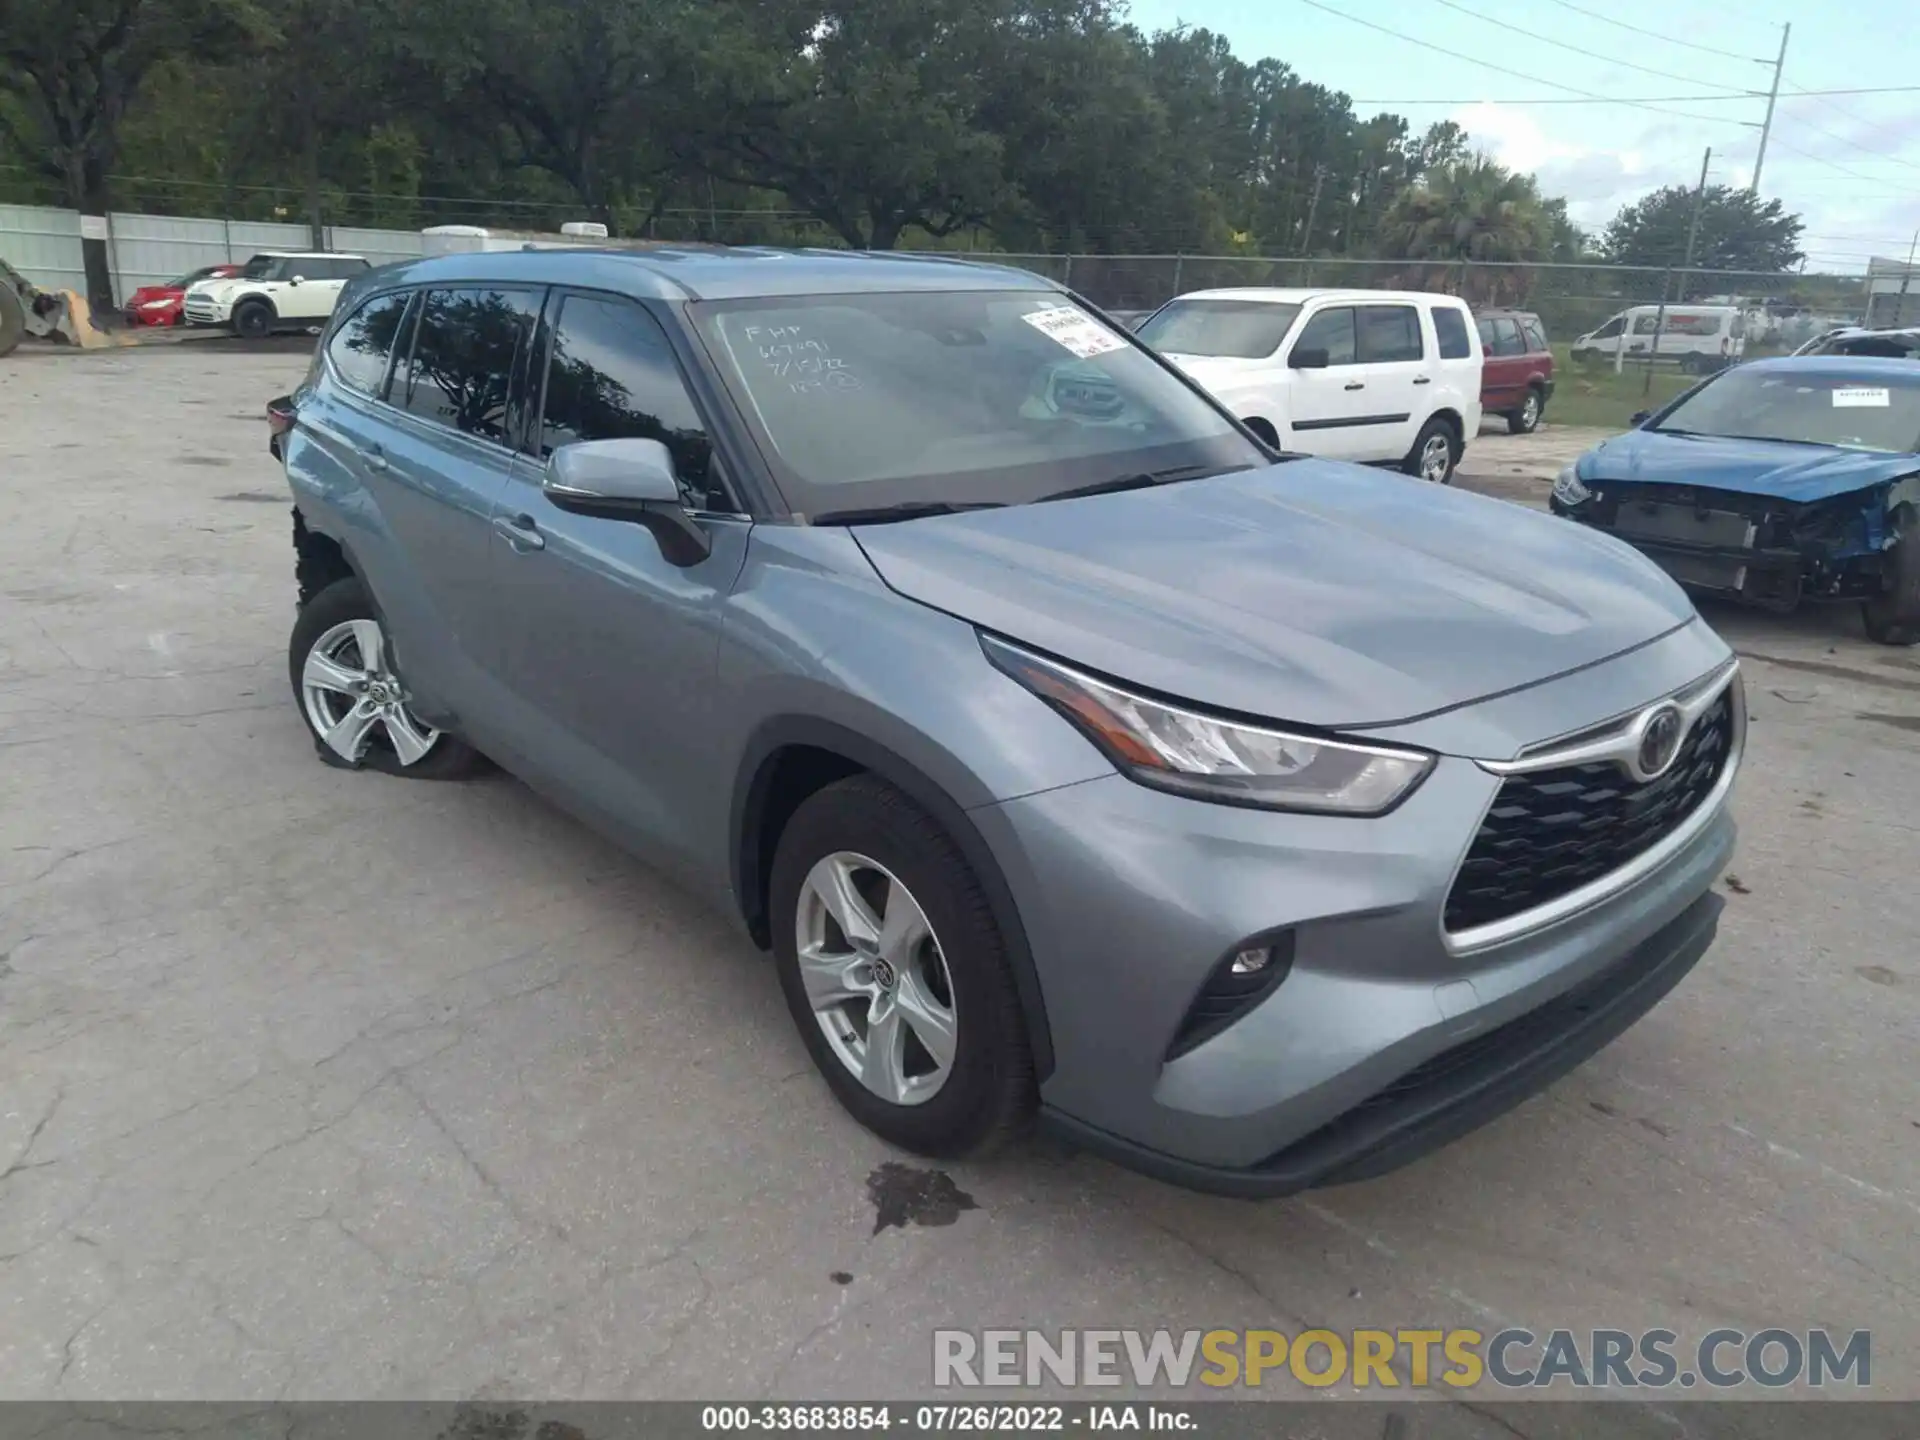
(318, 560)
(782, 784)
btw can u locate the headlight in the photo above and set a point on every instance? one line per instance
(155, 304)
(1567, 488)
(1171, 748)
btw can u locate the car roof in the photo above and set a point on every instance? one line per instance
(1840, 367)
(739, 272)
(1498, 312)
(1299, 296)
(305, 255)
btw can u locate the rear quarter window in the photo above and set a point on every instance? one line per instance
(1450, 331)
(363, 344)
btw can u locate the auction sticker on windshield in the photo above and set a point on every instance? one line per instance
(1849, 397)
(1076, 330)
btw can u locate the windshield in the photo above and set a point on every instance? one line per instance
(1238, 329)
(877, 400)
(206, 272)
(1865, 410)
(260, 267)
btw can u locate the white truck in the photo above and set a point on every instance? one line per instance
(1697, 338)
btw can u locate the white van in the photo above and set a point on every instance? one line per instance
(1697, 338)
(1376, 376)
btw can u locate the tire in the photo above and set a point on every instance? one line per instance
(1526, 419)
(339, 625)
(253, 320)
(1422, 460)
(1693, 364)
(1264, 429)
(862, 836)
(1893, 616)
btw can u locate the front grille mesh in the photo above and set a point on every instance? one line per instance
(1552, 831)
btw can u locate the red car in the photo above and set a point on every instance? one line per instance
(1517, 376)
(161, 304)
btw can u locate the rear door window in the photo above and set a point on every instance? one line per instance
(1389, 334)
(362, 347)
(465, 349)
(1507, 339)
(1332, 331)
(1536, 336)
(1450, 331)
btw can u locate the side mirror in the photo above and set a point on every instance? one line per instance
(627, 480)
(1308, 358)
(296, 279)
(1639, 418)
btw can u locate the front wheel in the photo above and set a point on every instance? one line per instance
(1434, 454)
(896, 972)
(1893, 616)
(355, 705)
(253, 321)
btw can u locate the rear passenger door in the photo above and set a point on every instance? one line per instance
(435, 469)
(1506, 368)
(1393, 355)
(606, 650)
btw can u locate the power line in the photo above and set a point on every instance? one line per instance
(1855, 144)
(1517, 74)
(1653, 34)
(1588, 54)
(1588, 97)
(1836, 165)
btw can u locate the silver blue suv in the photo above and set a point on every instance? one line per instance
(1261, 822)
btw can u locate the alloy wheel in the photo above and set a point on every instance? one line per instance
(876, 978)
(1436, 458)
(1530, 410)
(353, 699)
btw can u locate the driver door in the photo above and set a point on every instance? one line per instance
(1326, 406)
(603, 650)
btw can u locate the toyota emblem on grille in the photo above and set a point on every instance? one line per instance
(1660, 732)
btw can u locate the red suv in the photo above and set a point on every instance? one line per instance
(1517, 380)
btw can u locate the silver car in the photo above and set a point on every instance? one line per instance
(1258, 821)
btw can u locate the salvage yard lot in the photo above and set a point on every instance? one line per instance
(327, 1084)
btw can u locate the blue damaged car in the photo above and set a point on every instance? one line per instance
(1777, 482)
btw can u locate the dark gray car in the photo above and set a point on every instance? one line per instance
(1262, 822)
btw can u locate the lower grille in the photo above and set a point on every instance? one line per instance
(1549, 832)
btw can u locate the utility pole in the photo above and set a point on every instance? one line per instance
(1693, 234)
(1313, 209)
(1773, 95)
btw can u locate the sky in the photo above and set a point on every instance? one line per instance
(1848, 164)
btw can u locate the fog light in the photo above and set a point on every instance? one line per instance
(1252, 962)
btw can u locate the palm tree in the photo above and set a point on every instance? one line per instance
(1475, 214)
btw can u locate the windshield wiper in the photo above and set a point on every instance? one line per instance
(1142, 480)
(908, 510)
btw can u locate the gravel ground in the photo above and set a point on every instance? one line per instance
(317, 1084)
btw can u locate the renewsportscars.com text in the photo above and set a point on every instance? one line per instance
(1388, 1359)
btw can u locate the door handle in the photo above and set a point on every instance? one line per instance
(376, 459)
(1423, 379)
(520, 532)
(1356, 385)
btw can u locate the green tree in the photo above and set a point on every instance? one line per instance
(1738, 231)
(1474, 211)
(69, 70)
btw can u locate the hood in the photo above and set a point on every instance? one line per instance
(219, 289)
(154, 292)
(1313, 592)
(1218, 372)
(1775, 468)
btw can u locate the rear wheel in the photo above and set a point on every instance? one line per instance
(253, 321)
(1893, 616)
(1694, 364)
(1434, 454)
(1526, 419)
(896, 974)
(355, 705)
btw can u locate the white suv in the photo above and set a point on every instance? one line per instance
(274, 291)
(1375, 376)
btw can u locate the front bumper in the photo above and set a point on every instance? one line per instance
(1385, 1038)
(1452, 1094)
(207, 314)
